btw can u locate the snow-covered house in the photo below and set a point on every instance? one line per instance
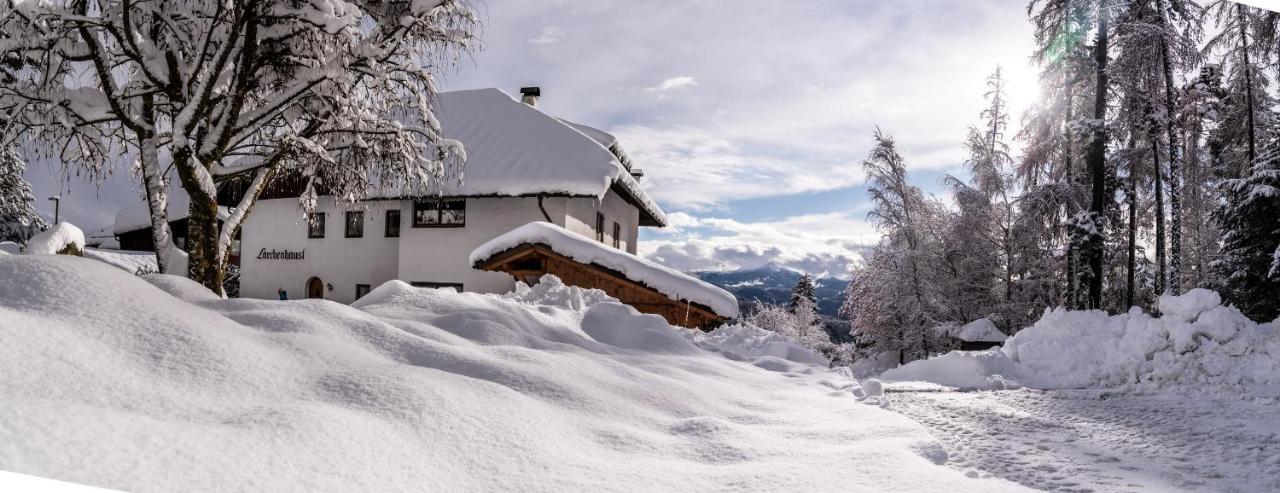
(522, 166)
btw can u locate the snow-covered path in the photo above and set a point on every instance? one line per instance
(1094, 440)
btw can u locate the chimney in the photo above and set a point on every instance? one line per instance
(529, 95)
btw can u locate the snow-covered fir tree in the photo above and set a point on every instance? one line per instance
(18, 217)
(1248, 270)
(803, 293)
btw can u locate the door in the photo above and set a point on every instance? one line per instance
(315, 288)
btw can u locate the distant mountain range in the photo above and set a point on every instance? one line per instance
(772, 283)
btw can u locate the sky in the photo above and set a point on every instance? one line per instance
(750, 118)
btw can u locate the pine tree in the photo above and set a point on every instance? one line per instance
(18, 217)
(1248, 270)
(804, 291)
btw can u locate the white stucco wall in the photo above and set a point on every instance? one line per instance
(435, 255)
(278, 224)
(442, 255)
(582, 219)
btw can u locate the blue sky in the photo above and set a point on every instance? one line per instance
(750, 117)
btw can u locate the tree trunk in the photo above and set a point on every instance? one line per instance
(1096, 159)
(1133, 237)
(203, 265)
(157, 204)
(1175, 163)
(1071, 291)
(1131, 192)
(1159, 198)
(157, 194)
(1248, 88)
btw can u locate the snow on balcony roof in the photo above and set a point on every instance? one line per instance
(674, 284)
(514, 149)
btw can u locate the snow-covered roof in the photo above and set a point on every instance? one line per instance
(514, 149)
(138, 215)
(674, 284)
(980, 330)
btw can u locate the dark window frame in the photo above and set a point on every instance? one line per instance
(439, 206)
(600, 226)
(617, 235)
(391, 226)
(346, 224)
(316, 225)
(362, 287)
(431, 284)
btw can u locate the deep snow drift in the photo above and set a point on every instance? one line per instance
(1197, 343)
(153, 384)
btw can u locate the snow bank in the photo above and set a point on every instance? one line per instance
(749, 343)
(1197, 343)
(55, 239)
(676, 285)
(10, 248)
(551, 291)
(108, 379)
(136, 262)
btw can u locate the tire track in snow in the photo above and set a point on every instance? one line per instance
(1093, 440)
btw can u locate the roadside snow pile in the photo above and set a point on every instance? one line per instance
(108, 379)
(56, 239)
(1198, 342)
(674, 284)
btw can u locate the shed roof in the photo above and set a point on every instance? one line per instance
(671, 283)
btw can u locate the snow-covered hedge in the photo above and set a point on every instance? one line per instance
(1197, 342)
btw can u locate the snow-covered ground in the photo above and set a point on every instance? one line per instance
(1132, 402)
(153, 384)
(1097, 440)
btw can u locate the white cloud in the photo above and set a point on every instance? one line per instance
(823, 244)
(549, 35)
(788, 93)
(674, 83)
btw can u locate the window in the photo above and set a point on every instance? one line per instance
(361, 290)
(440, 213)
(600, 227)
(355, 224)
(392, 229)
(315, 225)
(424, 284)
(617, 235)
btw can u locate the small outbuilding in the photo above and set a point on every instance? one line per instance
(977, 335)
(535, 249)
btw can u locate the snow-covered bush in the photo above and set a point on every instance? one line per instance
(801, 325)
(63, 239)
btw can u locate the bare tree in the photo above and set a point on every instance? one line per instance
(337, 93)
